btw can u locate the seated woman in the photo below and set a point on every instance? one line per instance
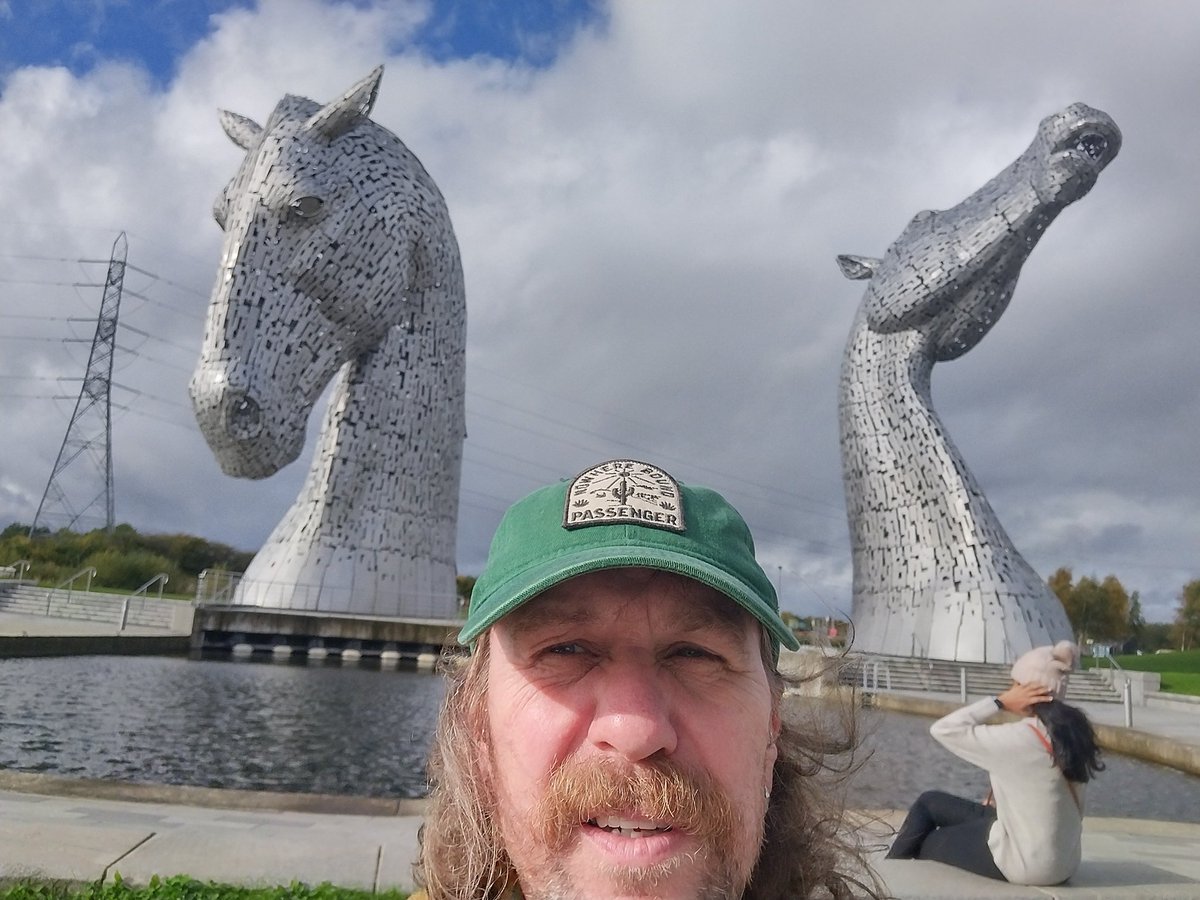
(1038, 768)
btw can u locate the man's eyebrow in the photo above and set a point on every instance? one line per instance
(713, 612)
(704, 613)
(548, 615)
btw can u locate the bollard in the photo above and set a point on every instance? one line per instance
(962, 684)
(1127, 699)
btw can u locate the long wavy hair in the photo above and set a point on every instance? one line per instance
(1072, 740)
(808, 844)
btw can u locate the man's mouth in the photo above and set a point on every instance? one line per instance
(630, 828)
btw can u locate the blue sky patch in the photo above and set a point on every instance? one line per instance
(79, 34)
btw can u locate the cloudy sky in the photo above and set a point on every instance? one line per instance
(649, 196)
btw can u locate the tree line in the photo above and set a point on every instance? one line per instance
(1103, 611)
(1100, 610)
(123, 560)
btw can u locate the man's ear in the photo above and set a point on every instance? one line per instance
(772, 751)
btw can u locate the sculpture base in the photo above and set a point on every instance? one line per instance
(247, 631)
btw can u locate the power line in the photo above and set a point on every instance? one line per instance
(187, 313)
(149, 396)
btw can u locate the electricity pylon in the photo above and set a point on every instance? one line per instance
(90, 429)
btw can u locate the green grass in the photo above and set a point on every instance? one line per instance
(1181, 683)
(181, 887)
(122, 592)
(1180, 669)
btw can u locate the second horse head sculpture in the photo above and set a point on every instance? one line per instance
(935, 574)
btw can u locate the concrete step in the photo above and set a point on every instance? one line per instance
(91, 606)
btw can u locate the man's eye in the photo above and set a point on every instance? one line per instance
(689, 652)
(565, 649)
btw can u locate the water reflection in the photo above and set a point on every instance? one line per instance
(346, 729)
(269, 726)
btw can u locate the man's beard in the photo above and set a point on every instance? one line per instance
(660, 791)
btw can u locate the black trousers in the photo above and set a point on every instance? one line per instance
(950, 830)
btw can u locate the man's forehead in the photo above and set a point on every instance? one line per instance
(601, 596)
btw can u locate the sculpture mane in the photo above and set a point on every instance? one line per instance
(340, 261)
(935, 574)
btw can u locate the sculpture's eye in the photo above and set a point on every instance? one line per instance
(221, 207)
(307, 207)
(1091, 144)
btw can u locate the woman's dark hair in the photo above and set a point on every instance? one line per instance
(1072, 740)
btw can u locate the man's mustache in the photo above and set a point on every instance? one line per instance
(660, 791)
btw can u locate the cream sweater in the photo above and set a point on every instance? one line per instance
(1036, 836)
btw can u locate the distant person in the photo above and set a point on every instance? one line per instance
(1038, 767)
(617, 729)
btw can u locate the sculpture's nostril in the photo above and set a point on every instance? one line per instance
(243, 418)
(1092, 144)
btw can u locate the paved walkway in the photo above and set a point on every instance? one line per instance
(17, 625)
(84, 831)
(82, 839)
(1122, 858)
(85, 839)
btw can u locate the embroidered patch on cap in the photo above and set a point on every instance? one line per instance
(624, 491)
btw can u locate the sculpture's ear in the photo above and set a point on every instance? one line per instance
(242, 131)
(857, 268)
(338, 117)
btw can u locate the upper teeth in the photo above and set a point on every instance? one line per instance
(628, 827)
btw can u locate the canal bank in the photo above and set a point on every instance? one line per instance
(28, 636)
(258, 839)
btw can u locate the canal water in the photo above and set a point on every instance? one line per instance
(260, 726)
(342, 729)
(902, 760)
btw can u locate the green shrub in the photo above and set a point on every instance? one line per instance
(131, 569)
(123, 560)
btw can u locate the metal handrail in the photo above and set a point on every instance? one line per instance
(162, 578)
(1112, 661)
(1126, 684)
(873, 665)
(226, 584)
(68, 583)
(22, 566)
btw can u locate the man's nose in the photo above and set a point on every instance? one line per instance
(633, 715)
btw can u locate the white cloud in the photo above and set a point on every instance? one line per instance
(648, 229)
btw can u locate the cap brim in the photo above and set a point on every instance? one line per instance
(534, 580)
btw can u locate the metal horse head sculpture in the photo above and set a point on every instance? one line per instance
(934, 572)
(339, 259)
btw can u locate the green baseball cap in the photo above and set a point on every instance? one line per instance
(617, 514)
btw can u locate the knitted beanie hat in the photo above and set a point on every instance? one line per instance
(1047, 666)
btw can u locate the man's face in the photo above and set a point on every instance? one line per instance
(632, 730)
